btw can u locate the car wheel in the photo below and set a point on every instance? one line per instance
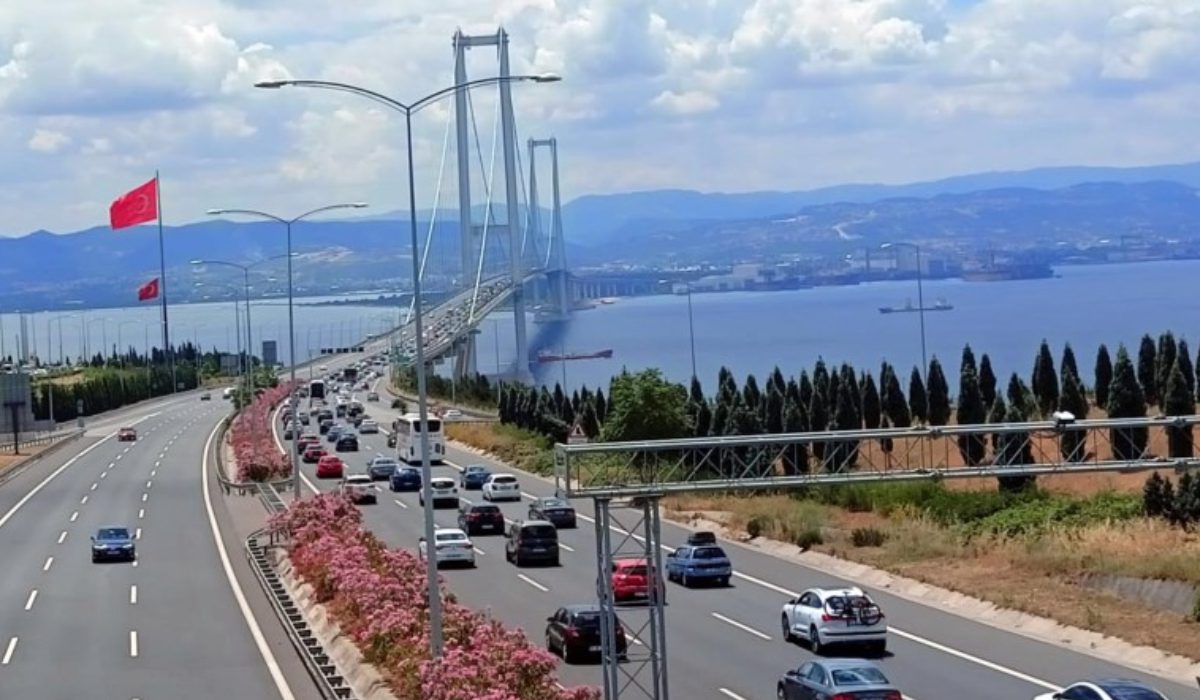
(725, 582)
(683, 578)
(780, 693)
(95, 559)
(786, 629)
(879, 648)
(814, 641)
(567, 656)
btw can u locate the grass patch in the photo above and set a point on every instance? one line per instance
(520, 448)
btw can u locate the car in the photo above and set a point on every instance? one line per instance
(706, 563)
(287, 432)
(554, 510)
(306, 441)
(372, 396)
(444, 492)
(405, 479)
(531, 541)
(325, 415)
(573, 632)
(206, 396)
(473, 476)
(368, 427)
(330, 467)
(632, 579)
(227, 394)
(356, 419)
(113, 544)
(391, 441)
(358, 488)
(1110, 689)
(325, 425)
(452, 546)
(381, 468)
(827, 616)
(452, 414)
(304, 418)
(314, 454)
(501, 487)
(340, 409)
(478, 518)
(331, 435)
(347, 442)
(126, 435)
(836, 678)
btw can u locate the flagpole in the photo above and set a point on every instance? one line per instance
(162, 292)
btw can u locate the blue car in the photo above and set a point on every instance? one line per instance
(473, 476)
(699, 564)
(405, 479)
(113, 544)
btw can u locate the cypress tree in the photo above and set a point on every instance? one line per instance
(842, 455)
(1073, 443)
(968, 360)
(820, 379)
(588, 421)
(795, 457)
(1178, 400)
(971, 411)
(872, 406)
(1145, 370)
(751, 395)
(1018, 449)
(1044, 381)
(601, 406)
(725, 381)
(1125, 400)
(918, 404)
(806, 389)
(774, 411)
(998, 414)
(696, 392)
(792, 393)
(987, 380)
(1104, 375)
(938, 394)
(1184, 358)
(831, 393)
(702, 423)
(776, 381)
(1068, 361)
(720, 417)
(1154, 502)
(818, 420)
(894, 404)
(1164, 362)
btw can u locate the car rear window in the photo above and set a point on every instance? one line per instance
(859, 675)
(838, 603)
(543, 531)
(450, 537)
(637, 570)
(709, 553)
(504, 480)
(589, 619)
(488, 510)
(1130, 691)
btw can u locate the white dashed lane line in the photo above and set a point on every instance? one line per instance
(133, 643)
(133, 594)
(141, 513)
(138, 534)
(29, 601)
(83, 501)
(533, 583)
(48, 564)
(744, 628)
(8, 651)
(144, 497)
(62, 536)
(74, 516)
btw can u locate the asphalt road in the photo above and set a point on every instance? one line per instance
(167, 627)
(726, 642)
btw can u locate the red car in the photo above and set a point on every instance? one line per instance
(126, 435)
(330, 467)
(630, 579)
(314, 453)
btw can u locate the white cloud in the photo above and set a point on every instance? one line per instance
(47, 141)
(683, 103)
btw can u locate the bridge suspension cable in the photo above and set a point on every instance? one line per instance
(488, 188)
(437, 198)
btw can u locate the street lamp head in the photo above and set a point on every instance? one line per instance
(271, 84)
(215, 212)
(547, 78)
(358, 205)
(196, 262)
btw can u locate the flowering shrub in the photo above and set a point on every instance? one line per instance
(378, 598)
(258, 457)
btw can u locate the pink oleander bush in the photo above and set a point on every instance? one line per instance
(258, 457)
(378, 598)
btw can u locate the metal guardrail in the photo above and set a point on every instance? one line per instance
(330, 683)
(38, 440)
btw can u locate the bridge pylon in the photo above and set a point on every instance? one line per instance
(557, 275)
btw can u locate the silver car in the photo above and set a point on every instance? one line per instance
(840, 678)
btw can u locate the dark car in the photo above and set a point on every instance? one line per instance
(113, 544)
(473, 476)
(405, 479)
(840, 678)
(553, 510)
(573, 632)
(480, 518)
(346, 442)
(381, 468)
(391, 440)
(334, 430)
(325, 414)
(287, 433)
(325, 425)
(531, 541)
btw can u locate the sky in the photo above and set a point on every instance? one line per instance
(714, 95)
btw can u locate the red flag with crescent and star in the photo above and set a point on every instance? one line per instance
(137, 206)
(148, 290)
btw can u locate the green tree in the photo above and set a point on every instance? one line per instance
(820, 379)
(1068, 361)
(998, 413)
(1178, 400)
(1154, 497)
(795, 457)
(938, 394)
(645, 406)
(1044, 381)
(1073, 399)
(987, 380)
(703, 421)
(751, 395)
(1104, 375)
(1125, 400)
(696, 392)
(1184, 358)
(774, 410)
(601, 406)
(1145, 370)
(1017, 447)
(588, 420)
(895, 407)
(806, 389)
(970, 411)
(1164, 362)
(968, 360)
(819, 419)
(872, 408)
(918, 403)
(842, 454)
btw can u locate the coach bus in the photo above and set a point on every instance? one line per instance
(316, 390)
(408, 439)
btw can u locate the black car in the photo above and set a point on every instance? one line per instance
(391, 440)
(553, 510)
(334, 431)
(346, 442)
(480, 518)
(325, 425)
(573, 632)
(381, 468)
(531, 541)
(405, 479)
(113, 544)
(473, 476)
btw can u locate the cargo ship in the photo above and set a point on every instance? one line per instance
(939, 305)
(556, 357)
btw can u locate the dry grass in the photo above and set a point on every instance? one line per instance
(517, 447)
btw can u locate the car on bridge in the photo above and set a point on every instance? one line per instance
(405, 479)
(827, 616)
(381, 468)
(473, 477)
(1112, 689)
(113, 544)
(554, 510)
(451, 545)
(127, 435)
(836, 678)
(477, 518)
(699, 564)
(330, 467)
(444, 493)
(358, 488)
(573, 632)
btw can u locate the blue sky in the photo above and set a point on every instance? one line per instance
(717, 95)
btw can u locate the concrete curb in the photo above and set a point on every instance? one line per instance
(363, 678)
(17, 468)
(1146, 659)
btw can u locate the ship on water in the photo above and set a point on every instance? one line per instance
(563, 357)
(939, 305)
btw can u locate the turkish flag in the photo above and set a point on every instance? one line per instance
(148, 290)
(137, 206)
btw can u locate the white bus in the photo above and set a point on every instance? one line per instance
(408, 439)
(316, 390)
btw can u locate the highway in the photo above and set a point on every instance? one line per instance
(165, 627)
(726, 642)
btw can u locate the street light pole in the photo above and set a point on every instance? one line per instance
(691, 328)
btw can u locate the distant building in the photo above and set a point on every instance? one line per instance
(229, 363)
(270, 353)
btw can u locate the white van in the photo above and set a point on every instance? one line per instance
(228, 393)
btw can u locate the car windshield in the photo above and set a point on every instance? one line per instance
(858, 675)
(1128, 690)
(709, 553)
(113, 533)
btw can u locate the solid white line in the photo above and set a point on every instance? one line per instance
(74, 516)
(730, 694)
(141, 513)
(399, 502)
(49, 562)
(8, 651)
(133, 645)
(533, 583)
(281, 684)
(744, 628)
(133, 594)
(32, 597)
(62, 536)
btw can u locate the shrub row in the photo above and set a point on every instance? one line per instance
(258, 457)
(378, 598)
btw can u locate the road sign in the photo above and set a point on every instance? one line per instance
(577, 436)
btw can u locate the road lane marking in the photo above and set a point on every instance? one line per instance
(157, 463)
(135, 562)
(533, 583)
(103, 475)
(141, 513)
(569, 548)
(137, 535)
(49, 561)
(133, 643)
(281, 684)
(153, 472)
(94, 485)
(730, 694)
(74, 516)
(144, 497)
(111, 465)
(399, 503)
(742, 627)
(83, 501)
(148, 484)
(479, 551)
(133, 594)
(8, 651)
(62, 536)
(32, 597)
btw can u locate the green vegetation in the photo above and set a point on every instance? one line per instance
(1126, 400)
(644, 406)
(476, 391)
(1177, 503)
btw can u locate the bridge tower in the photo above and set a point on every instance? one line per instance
(556, 256)
(470, 238)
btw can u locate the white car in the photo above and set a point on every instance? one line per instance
(453, 547)
(368, 426)
(501, 487)
(359, 488)
(1115, 689)
(827, 616)
(444, 490)
(452, 414)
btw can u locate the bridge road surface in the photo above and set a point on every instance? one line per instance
(726, 643)
(165, 628)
